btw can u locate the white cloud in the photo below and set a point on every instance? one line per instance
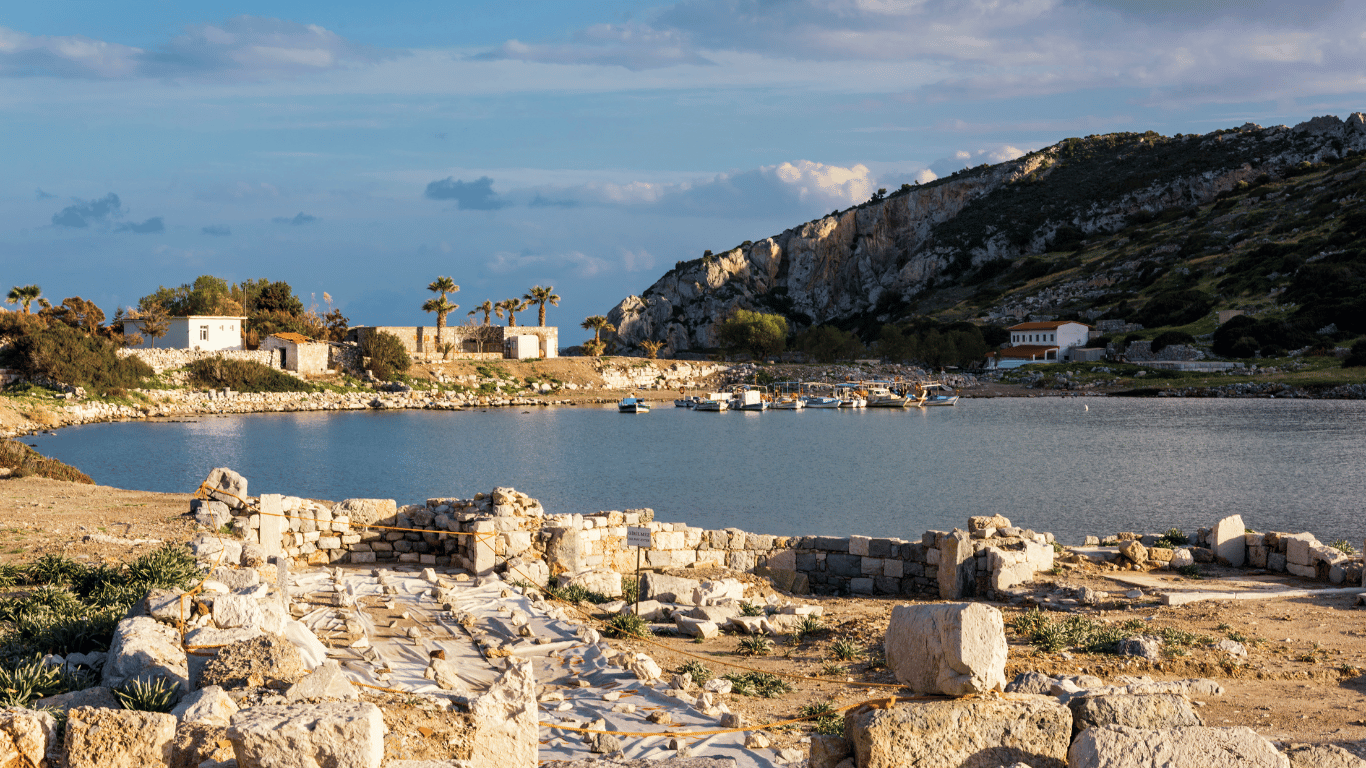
(965, 159)
(637, 261)
(575, 263)
(241, 48)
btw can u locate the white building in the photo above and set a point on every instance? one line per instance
(1042, 342)
(205, 332)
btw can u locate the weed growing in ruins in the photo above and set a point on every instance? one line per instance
(755, 645)
(574, 593)
(1245, 639)
(1180, 638)
(845, 649)
(760, 684)
(1080, 632)
(23, 682)
(628, 625)
(699, 671)
(826, 720)
(157, 695)
(750, 609)
(630, 590)
(1191, 571)
(809, 626)
(831, 669)
(243, 376)
(1174, 538)
(1345, 547)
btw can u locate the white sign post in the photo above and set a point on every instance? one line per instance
(641, 539)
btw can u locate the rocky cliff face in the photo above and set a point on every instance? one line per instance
(905, 246)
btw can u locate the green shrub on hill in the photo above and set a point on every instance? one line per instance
(1357, 358)
(64, 354)
(388, 356)
(243, 376)
(23, 461)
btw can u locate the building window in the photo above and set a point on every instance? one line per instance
(203, 333)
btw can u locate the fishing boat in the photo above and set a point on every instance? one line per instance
(686, 401)
(928, 394)
(713, 402)
(816, 400)
(851, 397)
(787, 396)
(886, 395)
(749, 399)
(633, 404)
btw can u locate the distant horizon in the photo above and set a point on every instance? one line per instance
(362, 152)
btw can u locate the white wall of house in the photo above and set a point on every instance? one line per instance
(195, 332)
(1065, 336)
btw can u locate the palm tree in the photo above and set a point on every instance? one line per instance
(486, 308)
(542, 296)
(597, 324)
(443, 286)
(511, 307)
(25, 295)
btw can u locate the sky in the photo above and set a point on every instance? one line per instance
(362, 149)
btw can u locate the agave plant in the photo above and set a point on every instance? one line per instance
(155, 695)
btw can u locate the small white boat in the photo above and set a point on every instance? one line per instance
(633, 405)
(788, 403)
(687, 402)
(713, 402)
(884, 397)
(927, 395)
(749, 400)
(818, 401)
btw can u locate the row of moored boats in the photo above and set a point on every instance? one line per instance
(793, 396)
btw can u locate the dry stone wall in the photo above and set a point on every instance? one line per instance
(167, 359)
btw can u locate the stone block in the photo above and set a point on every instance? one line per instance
(364, 512)
(603, 582)
(848, 566)
(957, 569)
(965, 733)
(1157, 711)
(667, 589)
(227, 487)
(1275, 562)
(145, 649)
(1120, 747)
(25, 737)
(858, 545)
(870, 566)
(234, 611)
(504, 729)
(830, 544)
(1303, 571)
(861, 586)
(892, 568)
(1229, 541)
(210, 704)
(337, 735)
(326, 682)
(99, 696)
(361, 557)
(271, 533)
(118, 738)
(949, 648)
(1299, 547)
(1257, 556)
(210, 514)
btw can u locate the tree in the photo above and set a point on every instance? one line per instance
(387, 354)
(152, 321)
(207, 295)
(511, 307)
(651, 348)
(826, 344)
(597, 324)
(442, 285)
(758, 333)
(486, 308)
(24, 295)
(79, 313)
(542, 296)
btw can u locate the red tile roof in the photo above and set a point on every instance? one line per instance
(1028, 351)
(1044, 326)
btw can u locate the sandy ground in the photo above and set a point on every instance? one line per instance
(1301, 681)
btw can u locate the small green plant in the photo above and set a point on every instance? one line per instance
(826, 720)
(1176, 537)
(845, 649)
(699, 671)
(1191, 571)
(628, 625)
(22, 683)
(574, 593)
(1224, 627)
(750, 609)
(630, 590)
(1344, 546)
(831, 669)
(809, 626)
(156, 695)
(760, 684)
(755, 645)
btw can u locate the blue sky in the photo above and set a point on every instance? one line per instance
(362, 149)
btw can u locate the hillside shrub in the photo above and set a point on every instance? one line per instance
(826, 344)
(1357, 357)
(23, 461)
(1175, 308)
(758, 333)
(243, 376)
(1171, 338)
(63, 354)
(388, 356)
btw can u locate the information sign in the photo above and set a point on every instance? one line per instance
(639, 537)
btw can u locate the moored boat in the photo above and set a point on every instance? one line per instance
(713, 402)
(633, 404)
(930, 394)
(881, 396)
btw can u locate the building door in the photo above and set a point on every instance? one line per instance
(284, 359)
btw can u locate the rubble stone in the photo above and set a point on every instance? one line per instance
(949, 648)
(1120, 747)
(118, 738)
(333, 734)
(210, 705)
(25, 737)
(965, 732)
(145, 649)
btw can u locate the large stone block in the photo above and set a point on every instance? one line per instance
(1119, 747)
(199, 743)
(1151, 711)
(504, 728)
(601, 581)
(363, 512)
(1298, 548)
(566, 551)
(1034, 730)
(957, 569)
(145, 649)
(118, 738)
(1229, 540)
(234, 611)
(211, 705)
(335, 735)
(949, 648)
(25, 736)
(227, 486)
(667, 589)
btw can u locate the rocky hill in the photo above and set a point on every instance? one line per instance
(1088, 227)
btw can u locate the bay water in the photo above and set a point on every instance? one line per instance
(1073, 466)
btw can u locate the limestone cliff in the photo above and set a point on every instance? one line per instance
(901, 249)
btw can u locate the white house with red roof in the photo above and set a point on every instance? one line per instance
(1042, 342)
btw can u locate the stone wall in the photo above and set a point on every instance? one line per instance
(513, 533)
(166, 359)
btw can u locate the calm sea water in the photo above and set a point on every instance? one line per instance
(1071, 466)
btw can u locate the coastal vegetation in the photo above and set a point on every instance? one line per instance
(268, 306)
(23, 461)
(758, 333)
(388, 357)
(440, 306)
(598, 324)
(540, 296)
(243, 376)
(47, 348)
